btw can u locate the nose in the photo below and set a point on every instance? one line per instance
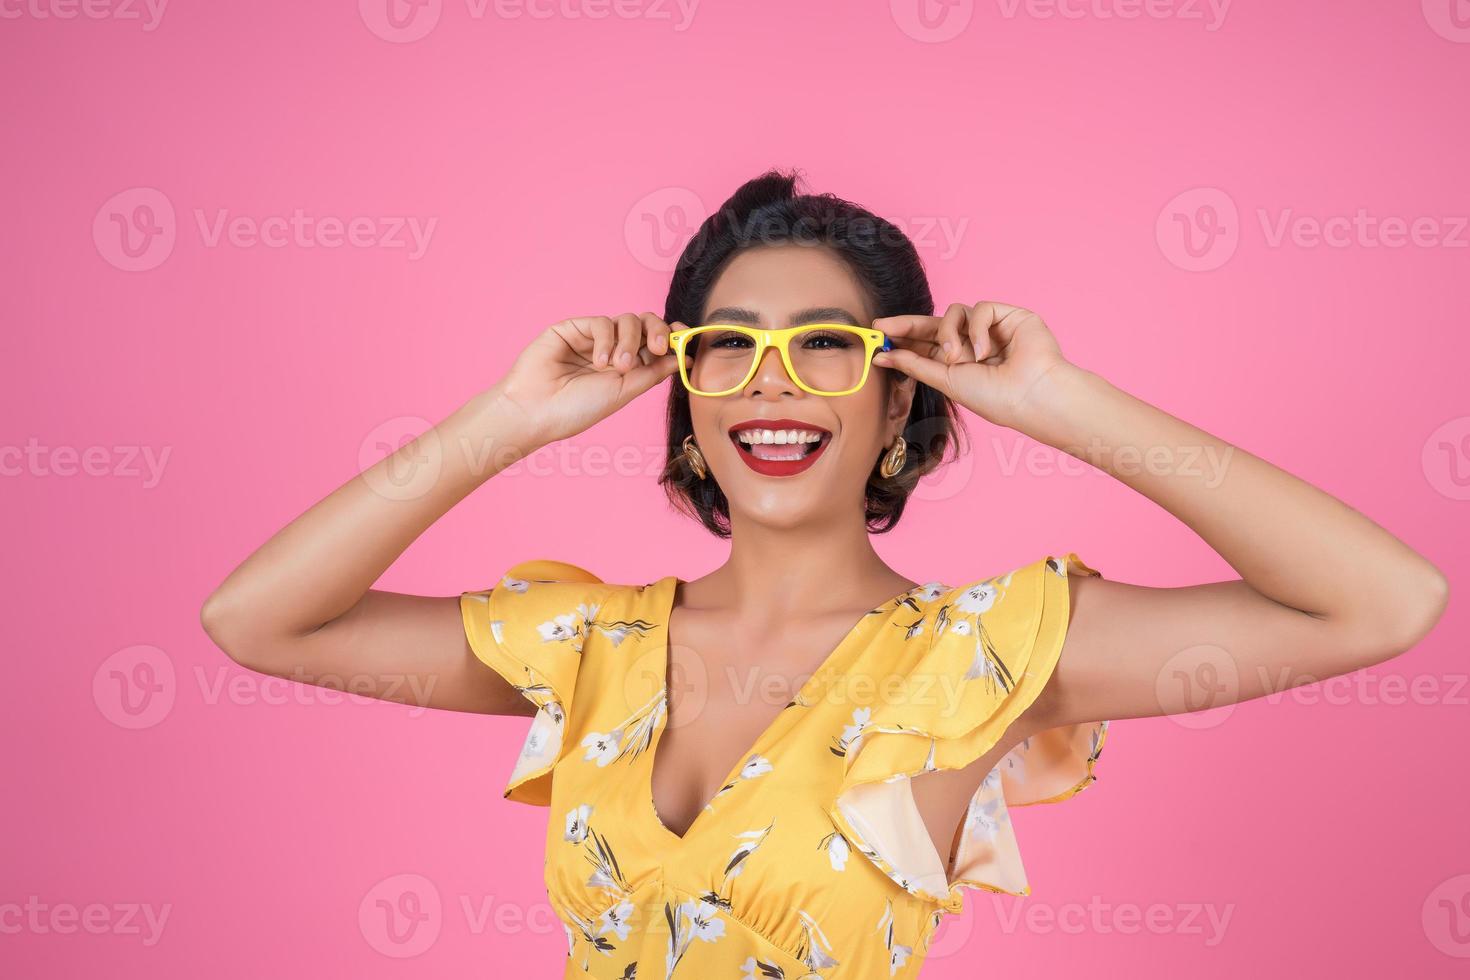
(770, 377)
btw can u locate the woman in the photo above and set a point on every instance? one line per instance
(836, 744)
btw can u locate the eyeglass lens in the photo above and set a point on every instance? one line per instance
(825, 358)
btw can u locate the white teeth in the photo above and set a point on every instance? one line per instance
(780, 437)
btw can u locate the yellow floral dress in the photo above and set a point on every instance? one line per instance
(812, 860)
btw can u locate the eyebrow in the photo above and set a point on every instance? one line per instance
(816, 314)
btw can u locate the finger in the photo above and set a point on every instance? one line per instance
(629, 337)
(604, 335)
(924, 369)
(644, 376)
(952, 336)
(1001, 322)
(982, 318)
(656, 334)
(924, 348)
(912, 325)
(578, 334)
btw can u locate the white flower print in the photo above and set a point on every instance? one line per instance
(837, 850)
(515, 584)
(898, 954)
(988, 666)
(751, 839)
(563, 627)
(897, 957)
(573, 626)
(618, 919)
(605, 870)
(639, 728)
(689, 921)
(1099, 735)
(754, 969)
(982, 666)
(930, 591)
(756, 765)
(602, 748)
(852, 734)
(594, 936)
(632, 736)
(987, 810)
(705, 918)
(929, 763)
(960, 627)
(977, 598)
(815, 950)
(577, 825)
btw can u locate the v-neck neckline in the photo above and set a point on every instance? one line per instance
(667, 597)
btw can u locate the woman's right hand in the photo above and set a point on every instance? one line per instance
(302, 606)
(578, 372)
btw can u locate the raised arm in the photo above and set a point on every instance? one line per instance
(1323, 589)
(302, 606)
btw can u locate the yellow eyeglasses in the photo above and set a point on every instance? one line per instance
(821, 358)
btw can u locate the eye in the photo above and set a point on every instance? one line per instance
(827, 340)
(728, 339)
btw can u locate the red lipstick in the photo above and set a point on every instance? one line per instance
(800, 454)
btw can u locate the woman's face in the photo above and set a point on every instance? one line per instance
(783, 286)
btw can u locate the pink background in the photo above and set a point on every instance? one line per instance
(560, 157)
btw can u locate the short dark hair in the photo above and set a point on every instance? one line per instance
(769, 211)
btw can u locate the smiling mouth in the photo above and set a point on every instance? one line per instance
(780, 445)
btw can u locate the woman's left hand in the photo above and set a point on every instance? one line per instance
(996, 356)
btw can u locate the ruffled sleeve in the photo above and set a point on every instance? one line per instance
(530, 628)
(993, 645)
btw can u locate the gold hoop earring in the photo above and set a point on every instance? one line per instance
(694, 457)
(894, 459)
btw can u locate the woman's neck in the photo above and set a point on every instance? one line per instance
(814, 568)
